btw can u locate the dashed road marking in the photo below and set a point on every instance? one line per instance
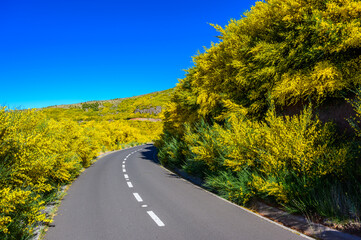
(139, 199)
(156, 219)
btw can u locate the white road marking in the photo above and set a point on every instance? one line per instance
(139, 199)
(130, 185)
(156, 219)
(144, 206)
(123, 166)
(124, 170)
(123, 162)
(126, 176)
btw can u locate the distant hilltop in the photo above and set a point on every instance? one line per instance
(101, 102)
(144, 106)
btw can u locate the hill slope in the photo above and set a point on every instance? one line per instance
(114, 109)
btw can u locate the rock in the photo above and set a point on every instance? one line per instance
(152, 110)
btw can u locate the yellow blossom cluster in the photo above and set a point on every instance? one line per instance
(283, 55)
(39, 154)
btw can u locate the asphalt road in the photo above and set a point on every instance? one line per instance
(128, 195)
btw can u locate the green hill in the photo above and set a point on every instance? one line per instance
(142, 106)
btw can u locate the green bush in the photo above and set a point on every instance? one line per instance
(220, 120)
(293, 161)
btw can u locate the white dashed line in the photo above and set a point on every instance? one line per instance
(137, 196)
(139, 199)
(156, 219)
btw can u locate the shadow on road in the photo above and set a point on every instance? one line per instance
(150, 153)
(173, 175)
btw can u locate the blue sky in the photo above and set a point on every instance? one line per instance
(68, 51)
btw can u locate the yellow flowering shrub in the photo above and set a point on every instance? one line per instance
(221, 121)
(38, 154)
(270, 188)
(293, 50)
(205, 145)
(298, 143)
(282, 158)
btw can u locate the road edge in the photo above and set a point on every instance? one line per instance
(301, 225)
(52, 208)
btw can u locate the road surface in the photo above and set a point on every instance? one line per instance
(128, 195)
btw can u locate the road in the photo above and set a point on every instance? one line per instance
(128, 195)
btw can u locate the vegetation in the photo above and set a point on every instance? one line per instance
(226, 121)
(42, 150)
(116, 109)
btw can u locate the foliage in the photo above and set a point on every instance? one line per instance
(117, 109)
(222, 117)
(355, 121)
(33, 160)
(170, 151)
(93, 106)
(232, 186)
(288, 160)
(40, 150)
(293, 50)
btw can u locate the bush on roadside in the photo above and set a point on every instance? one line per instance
(286, 160)
(38, 155)
(290, 53)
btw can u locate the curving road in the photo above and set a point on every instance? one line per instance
(128, 195)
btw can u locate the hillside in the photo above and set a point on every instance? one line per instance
(142, 106)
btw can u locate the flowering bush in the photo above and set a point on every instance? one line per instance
(38, 154)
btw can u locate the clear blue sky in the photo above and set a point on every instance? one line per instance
(68, 51)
